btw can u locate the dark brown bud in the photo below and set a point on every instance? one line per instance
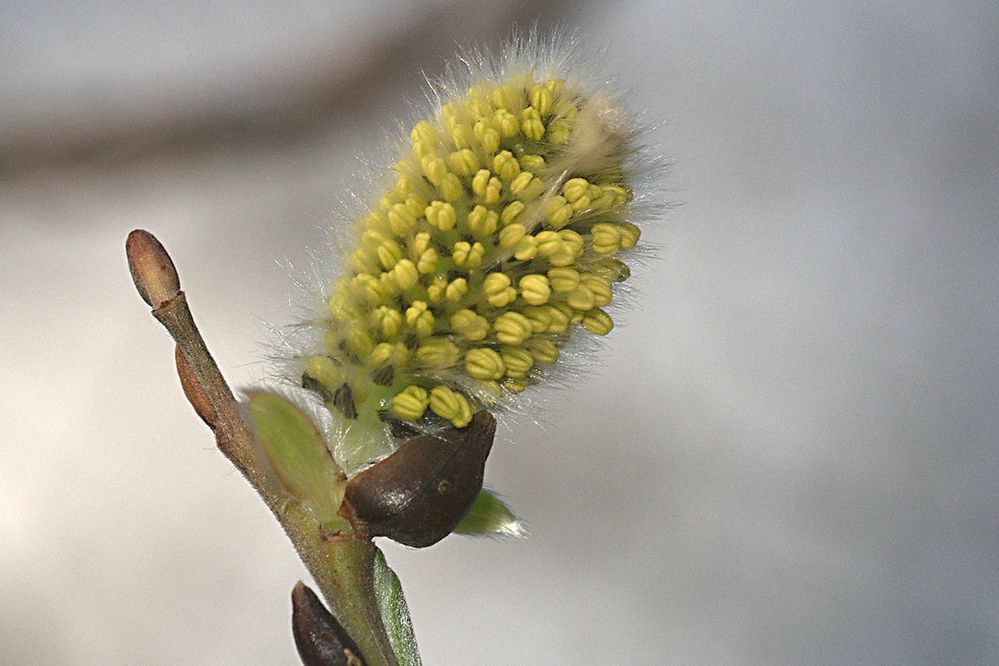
(420, 493)
(152, 269)
(320, 639)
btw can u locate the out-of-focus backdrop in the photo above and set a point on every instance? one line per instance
(787, 455)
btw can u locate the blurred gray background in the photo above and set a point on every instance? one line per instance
(787, 455)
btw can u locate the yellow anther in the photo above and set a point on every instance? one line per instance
(415, 205)
(464, 162)
(386, 201)
(601, 198)
(521, 183)
(362, 261)
(506, 97)
(427, 262)
(323, 369)
(386, 353)
(531, 125)
(424, 131)
(535, 289)
(557, 212)
(418, 244)
(441, 215)
(389, 253)
(488, 136)
(420, 319)
(563, 279)
(456, 289)
(580, 298)
(538, 316)
(554, 86)
(388, 285)
(629, 235)
(518, 361)
(460, 135)
(526, 249)
(482, 222)
(359, 341)
(451, 188)
(405, 274)
(600, 288)
(511, 211)
(622, 195)
(558, 320)
(559, 132)
(532, 163)
(511, 234)
(469, 325)
(506, 123)
(498, 290)
(437, 353)
(506, 165)
(606, 238)
(434, 169)
(435, 290)
(421, 149)
(451, 405)
(387, 320)
(369, 288)
(598, 321)
(467, 255)
(612, 269)
(480, 182)
(541, 99)
(512, 328)
(576, 192)
(410, 403)
(573, 240)
(404, 185)
(543, 352)
(484, 363)
(548, 243)
(375, 237)
(515, 385)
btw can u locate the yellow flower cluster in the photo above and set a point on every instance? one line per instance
(478, 261)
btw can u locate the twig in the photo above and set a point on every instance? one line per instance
(341, 564)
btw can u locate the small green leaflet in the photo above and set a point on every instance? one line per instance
(489, 515)
(395, 613)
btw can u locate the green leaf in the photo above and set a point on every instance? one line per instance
(488, 515)
(395, 613)
(297, 454)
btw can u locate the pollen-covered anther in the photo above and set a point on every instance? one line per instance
(518, 361)
(467, 255)
(563, 279)
(606, 238)
(451, 405)
(498, 290)
(441, 215)
(482, 222)
(512, 328)
(526, 187)
(535, 289)
(464, 162)
(468, 325)
(597, 321)
(484, 363)
(456, 289)
(531, 124)
(419, 319)
(511, 234)
(543, 352)
(410, 403)
(437, 352)
(506, 166)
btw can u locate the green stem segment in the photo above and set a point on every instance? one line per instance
(342, 565)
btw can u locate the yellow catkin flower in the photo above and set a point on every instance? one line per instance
(500, 233)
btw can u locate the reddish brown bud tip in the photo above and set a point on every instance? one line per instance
(320, 639)
(152, 270)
